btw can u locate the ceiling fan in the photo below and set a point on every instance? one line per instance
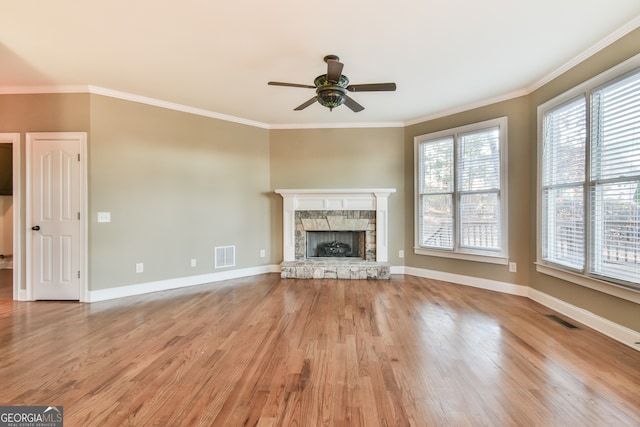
(331, 88)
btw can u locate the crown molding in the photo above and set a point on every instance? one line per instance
(610, 39)
(338, 125)
(34, 90)
(96, 90)
(467, 107)
(174, 106)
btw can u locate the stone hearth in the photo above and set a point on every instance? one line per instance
(336, 210)
(334, 268)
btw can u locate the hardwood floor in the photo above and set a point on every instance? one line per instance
(6, 283)
(267, 351)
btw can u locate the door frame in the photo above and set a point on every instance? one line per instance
(83, 206)
(14, 139)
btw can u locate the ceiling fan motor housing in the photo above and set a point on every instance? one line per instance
(331, 94)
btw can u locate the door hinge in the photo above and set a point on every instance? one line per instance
(78, 156)
(78, 215)
(78, 274)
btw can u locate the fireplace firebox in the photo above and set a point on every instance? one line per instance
(335, 244)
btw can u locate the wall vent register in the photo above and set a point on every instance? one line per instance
(225, 256)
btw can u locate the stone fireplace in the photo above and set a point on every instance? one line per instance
(339, 233)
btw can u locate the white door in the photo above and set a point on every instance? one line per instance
(55, 226)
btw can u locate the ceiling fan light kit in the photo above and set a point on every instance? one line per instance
(329, 94)
(331, 88)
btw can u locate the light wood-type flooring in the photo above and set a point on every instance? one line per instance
(266, 351)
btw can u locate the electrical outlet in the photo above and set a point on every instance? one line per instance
(401, 254)
(262, 253)
(513, 267)
(193, 262)
(139, 267)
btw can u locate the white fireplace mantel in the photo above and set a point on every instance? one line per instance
(375, 199)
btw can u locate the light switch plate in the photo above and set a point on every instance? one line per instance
(104, 216)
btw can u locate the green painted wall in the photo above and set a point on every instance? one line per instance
(341, 158)
(177, 185)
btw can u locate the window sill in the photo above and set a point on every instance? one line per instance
(589, 282)
(463, 256)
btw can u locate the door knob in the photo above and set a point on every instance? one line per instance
(35, 228)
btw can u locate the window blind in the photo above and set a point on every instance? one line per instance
(436, 193)
(615, 179)
(479, 186)
(564, 142)
(563, 184)
(615, 150)
(479, 160)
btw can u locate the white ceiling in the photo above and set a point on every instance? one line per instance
(218, 56)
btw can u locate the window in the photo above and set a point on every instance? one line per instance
(460, 197)
(590, 180)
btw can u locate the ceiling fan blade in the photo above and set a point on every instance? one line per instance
(306, 104)
(334, 70)
(373, 87)
(353, 105)
(291, 85)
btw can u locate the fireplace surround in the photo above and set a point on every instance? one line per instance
(363, 211)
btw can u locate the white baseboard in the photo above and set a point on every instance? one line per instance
(606, 327)
(182, 282)
(613, 330)
(397, 269)
(492, 285)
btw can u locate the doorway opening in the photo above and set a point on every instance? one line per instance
(9, 215)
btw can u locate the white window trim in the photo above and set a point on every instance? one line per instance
(462, 255)
(501, 257)
(611, 288)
